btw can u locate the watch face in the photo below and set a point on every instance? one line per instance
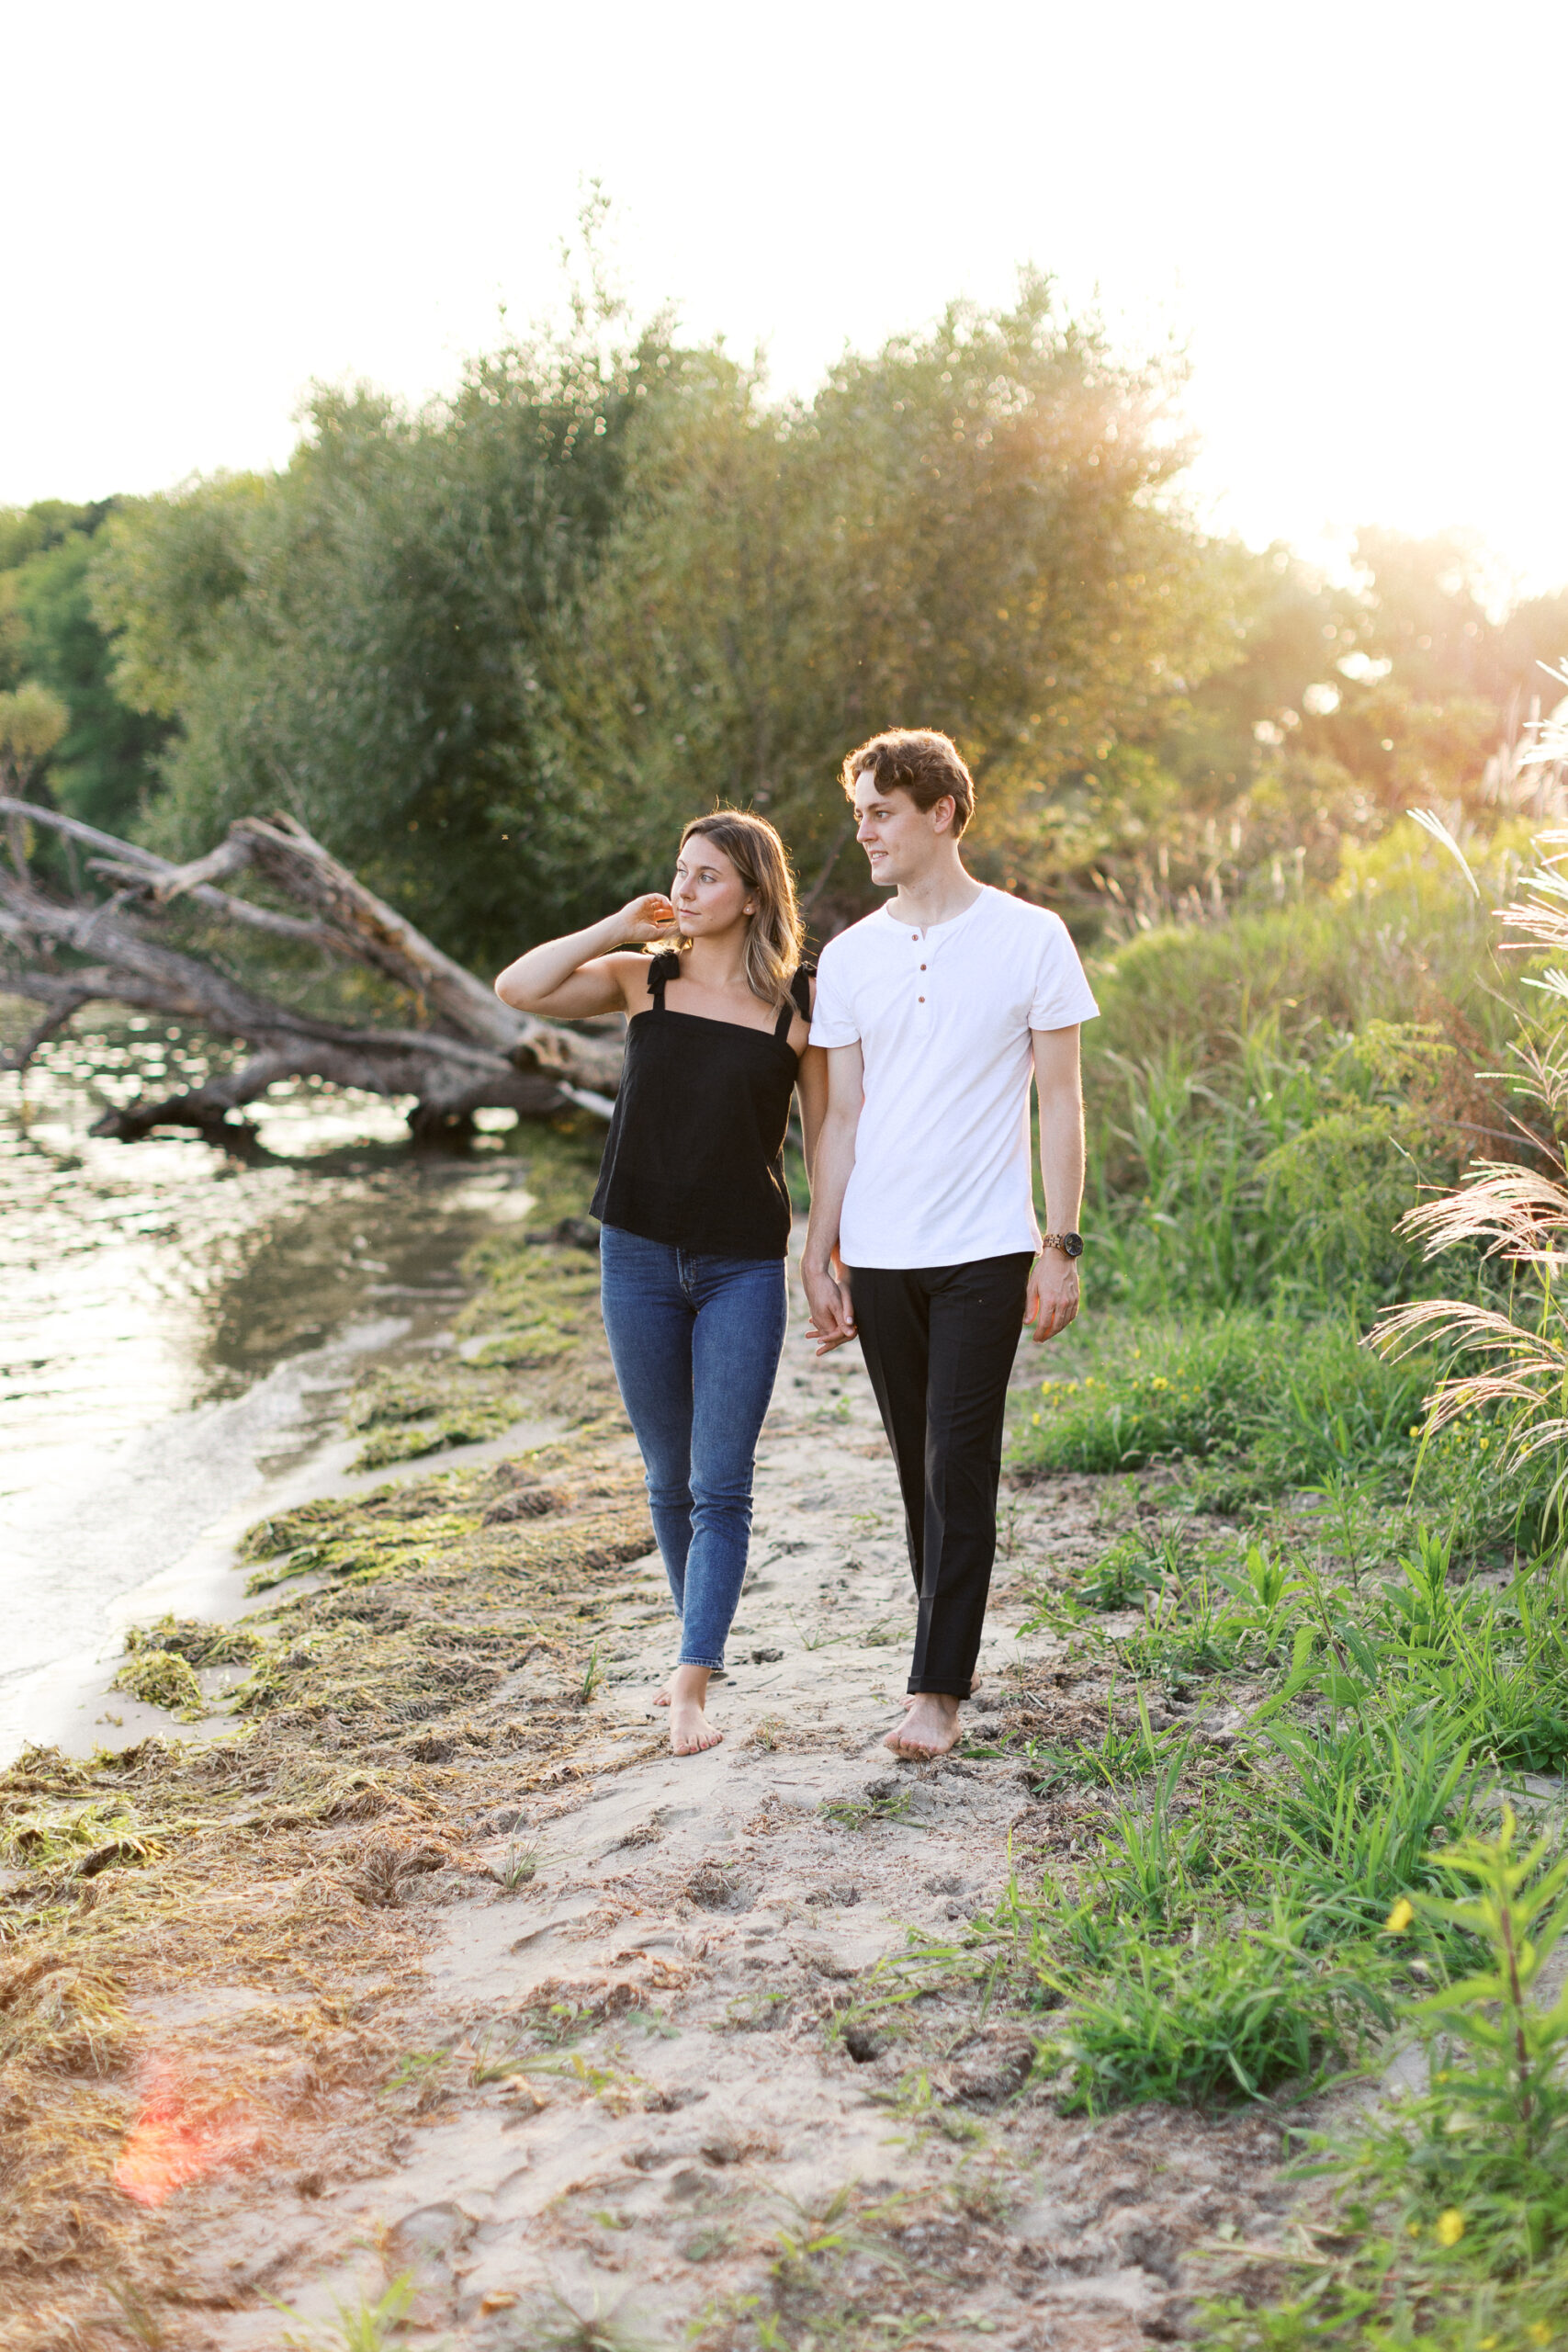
(1073, 1244)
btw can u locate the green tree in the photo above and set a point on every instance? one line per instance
(32, 722)
(102, 765)
(1347, 702)
(493, 652)
(356, 641)
(968, 529)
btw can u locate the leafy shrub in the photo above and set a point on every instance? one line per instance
(1316, 968)
(1289, 1402)
(1344, 1183)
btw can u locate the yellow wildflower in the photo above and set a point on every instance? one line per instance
(1539, 2333)
(1399, 1918)
(1448, 2228)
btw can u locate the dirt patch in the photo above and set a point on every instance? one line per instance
(442, 1969)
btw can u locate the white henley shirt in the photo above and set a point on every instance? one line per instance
(943, 1018)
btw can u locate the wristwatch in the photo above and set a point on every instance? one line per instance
(1070, 1244)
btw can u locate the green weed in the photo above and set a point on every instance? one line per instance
(880, 1802)
(361, 2326)
(415, 2070)
(1287, 1403)
(67, 1837)
(519, 1867)
(1487, 2142)
(161, 1678)
(917, 2102)
(1208, 2023)
(1154, 1863)
(1120, 1754)
(1132, 1567)
(823, 2231)
(196, 1639)
(563, 2325)
(1356, 1820)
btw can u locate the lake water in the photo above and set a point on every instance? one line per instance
(176, 1331)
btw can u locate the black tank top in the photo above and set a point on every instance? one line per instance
(695, 1152)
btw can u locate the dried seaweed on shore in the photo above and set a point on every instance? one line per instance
(205, 1948)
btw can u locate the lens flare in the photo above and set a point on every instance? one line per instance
(182, 2132)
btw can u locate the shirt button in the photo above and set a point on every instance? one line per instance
(922, 1000)
(922, 968)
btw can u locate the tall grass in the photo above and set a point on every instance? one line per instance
(1269, 1097)
(1281, 1111)
(1400, 940)
(1281, 1172)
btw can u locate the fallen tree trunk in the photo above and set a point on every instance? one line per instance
(465, 1051)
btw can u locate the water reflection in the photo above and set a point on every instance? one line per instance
(173, 1318)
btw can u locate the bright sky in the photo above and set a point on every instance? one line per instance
(1352, 215)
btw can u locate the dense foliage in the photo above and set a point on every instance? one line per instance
(494, 651)
(101, 749)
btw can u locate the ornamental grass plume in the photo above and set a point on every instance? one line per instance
(1514, 1213)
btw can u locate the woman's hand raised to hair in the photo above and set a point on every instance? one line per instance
(576, 978)
(648, 918)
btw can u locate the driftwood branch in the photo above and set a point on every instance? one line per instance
(475, 1054)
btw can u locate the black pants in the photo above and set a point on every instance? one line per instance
(939, 1343)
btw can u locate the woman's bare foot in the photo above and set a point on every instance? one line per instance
(929, 1729)
(690, 1730)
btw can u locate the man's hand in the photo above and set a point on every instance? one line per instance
(832, 1311)
(1051, 1299)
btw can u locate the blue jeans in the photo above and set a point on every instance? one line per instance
(695, 1343)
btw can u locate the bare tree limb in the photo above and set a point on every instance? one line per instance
(478, 1052)
(306, 873)
(70, 1000)
(129, 862)
(359, 926)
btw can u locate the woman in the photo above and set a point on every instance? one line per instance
(692, 1197)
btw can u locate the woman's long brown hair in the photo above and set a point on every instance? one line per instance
(774, 934)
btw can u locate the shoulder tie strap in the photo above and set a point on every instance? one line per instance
(799, 1000)
(660, 970)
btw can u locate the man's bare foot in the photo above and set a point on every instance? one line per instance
(929, 1729)
(690, 1730)
(910, 1696)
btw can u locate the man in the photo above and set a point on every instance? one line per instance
(935, 1011)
